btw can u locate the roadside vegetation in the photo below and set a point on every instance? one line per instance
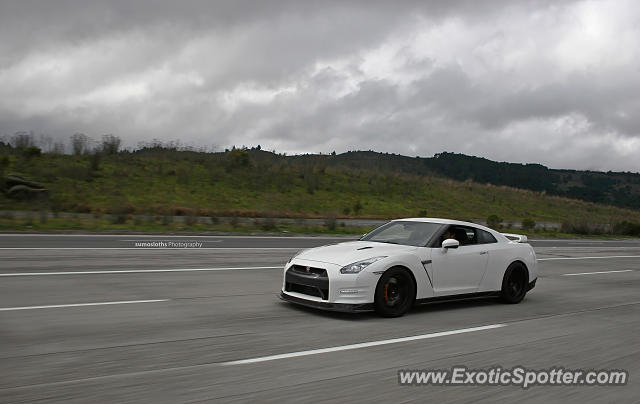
(38, 222)
(162, 181)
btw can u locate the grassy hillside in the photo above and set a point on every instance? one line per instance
(614, 188)
(258, 183)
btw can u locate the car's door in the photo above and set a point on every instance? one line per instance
(460, 270)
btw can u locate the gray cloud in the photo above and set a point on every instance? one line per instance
(533, 81)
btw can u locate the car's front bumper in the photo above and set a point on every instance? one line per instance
(336, 288)
(343, 307)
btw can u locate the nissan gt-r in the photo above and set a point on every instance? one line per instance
(409, 261)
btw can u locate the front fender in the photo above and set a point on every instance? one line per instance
(422, 273)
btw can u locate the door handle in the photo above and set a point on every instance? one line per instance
(484, 252)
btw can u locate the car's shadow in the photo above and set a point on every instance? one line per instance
(422, 308)
(459, 304)
(336, 315)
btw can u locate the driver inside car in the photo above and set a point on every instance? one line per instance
(447, 235)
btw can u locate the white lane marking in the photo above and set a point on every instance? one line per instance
(175, 236)
(583, 241)
(588, 258)
(151, 248)
(589, 248)
(361, 345)
(132, 271)
(58, 306)
(599, 272)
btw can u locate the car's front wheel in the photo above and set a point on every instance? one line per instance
(514, 283)
(395, 293)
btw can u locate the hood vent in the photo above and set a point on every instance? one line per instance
(364, 248)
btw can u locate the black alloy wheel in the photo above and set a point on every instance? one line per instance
(514, 284)
(395, 293)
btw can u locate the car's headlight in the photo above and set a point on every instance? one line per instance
(356, 267)
(295, 255)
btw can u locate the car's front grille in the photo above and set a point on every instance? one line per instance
(321, 272)
(307, 281)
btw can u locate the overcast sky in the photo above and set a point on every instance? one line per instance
(532, 81)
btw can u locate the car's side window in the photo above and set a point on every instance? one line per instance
(484, 237)
(464, 234)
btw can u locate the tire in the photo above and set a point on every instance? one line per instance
(514, 283)
(395, 293)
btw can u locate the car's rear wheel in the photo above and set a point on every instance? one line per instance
(514, 283)
(395, 293)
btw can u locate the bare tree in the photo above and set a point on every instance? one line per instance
(45, 142)
(110, 144)
(58, 148)
(79, 143)
(22, 140)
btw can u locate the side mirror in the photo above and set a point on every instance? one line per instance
(450, 243)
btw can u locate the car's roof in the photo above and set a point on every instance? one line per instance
(442, 221)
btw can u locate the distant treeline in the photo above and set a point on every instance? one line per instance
(614, 188)
(611, 188)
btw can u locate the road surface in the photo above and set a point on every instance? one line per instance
(97, 319)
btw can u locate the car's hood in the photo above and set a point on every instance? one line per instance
(352, 251)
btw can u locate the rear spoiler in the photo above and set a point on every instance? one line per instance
(518, 238)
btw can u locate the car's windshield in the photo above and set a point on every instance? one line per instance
(403, 232)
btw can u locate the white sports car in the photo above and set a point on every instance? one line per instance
(409, 261)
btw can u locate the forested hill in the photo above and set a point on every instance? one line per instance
(614, 188)
(255, 180)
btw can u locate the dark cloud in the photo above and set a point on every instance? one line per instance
(534, 81)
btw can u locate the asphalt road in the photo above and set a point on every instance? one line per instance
(76, 241)
(97, 319)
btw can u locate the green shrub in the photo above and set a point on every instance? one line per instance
(528, 224)
(120, 213)
(191, 220)
(119, 218)
(357, 207)
(626, 228)
(32, 151)
(495, 221)
(182, 211)
(330, 223)
(268, 224)
(581, 228)
(237, 158)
